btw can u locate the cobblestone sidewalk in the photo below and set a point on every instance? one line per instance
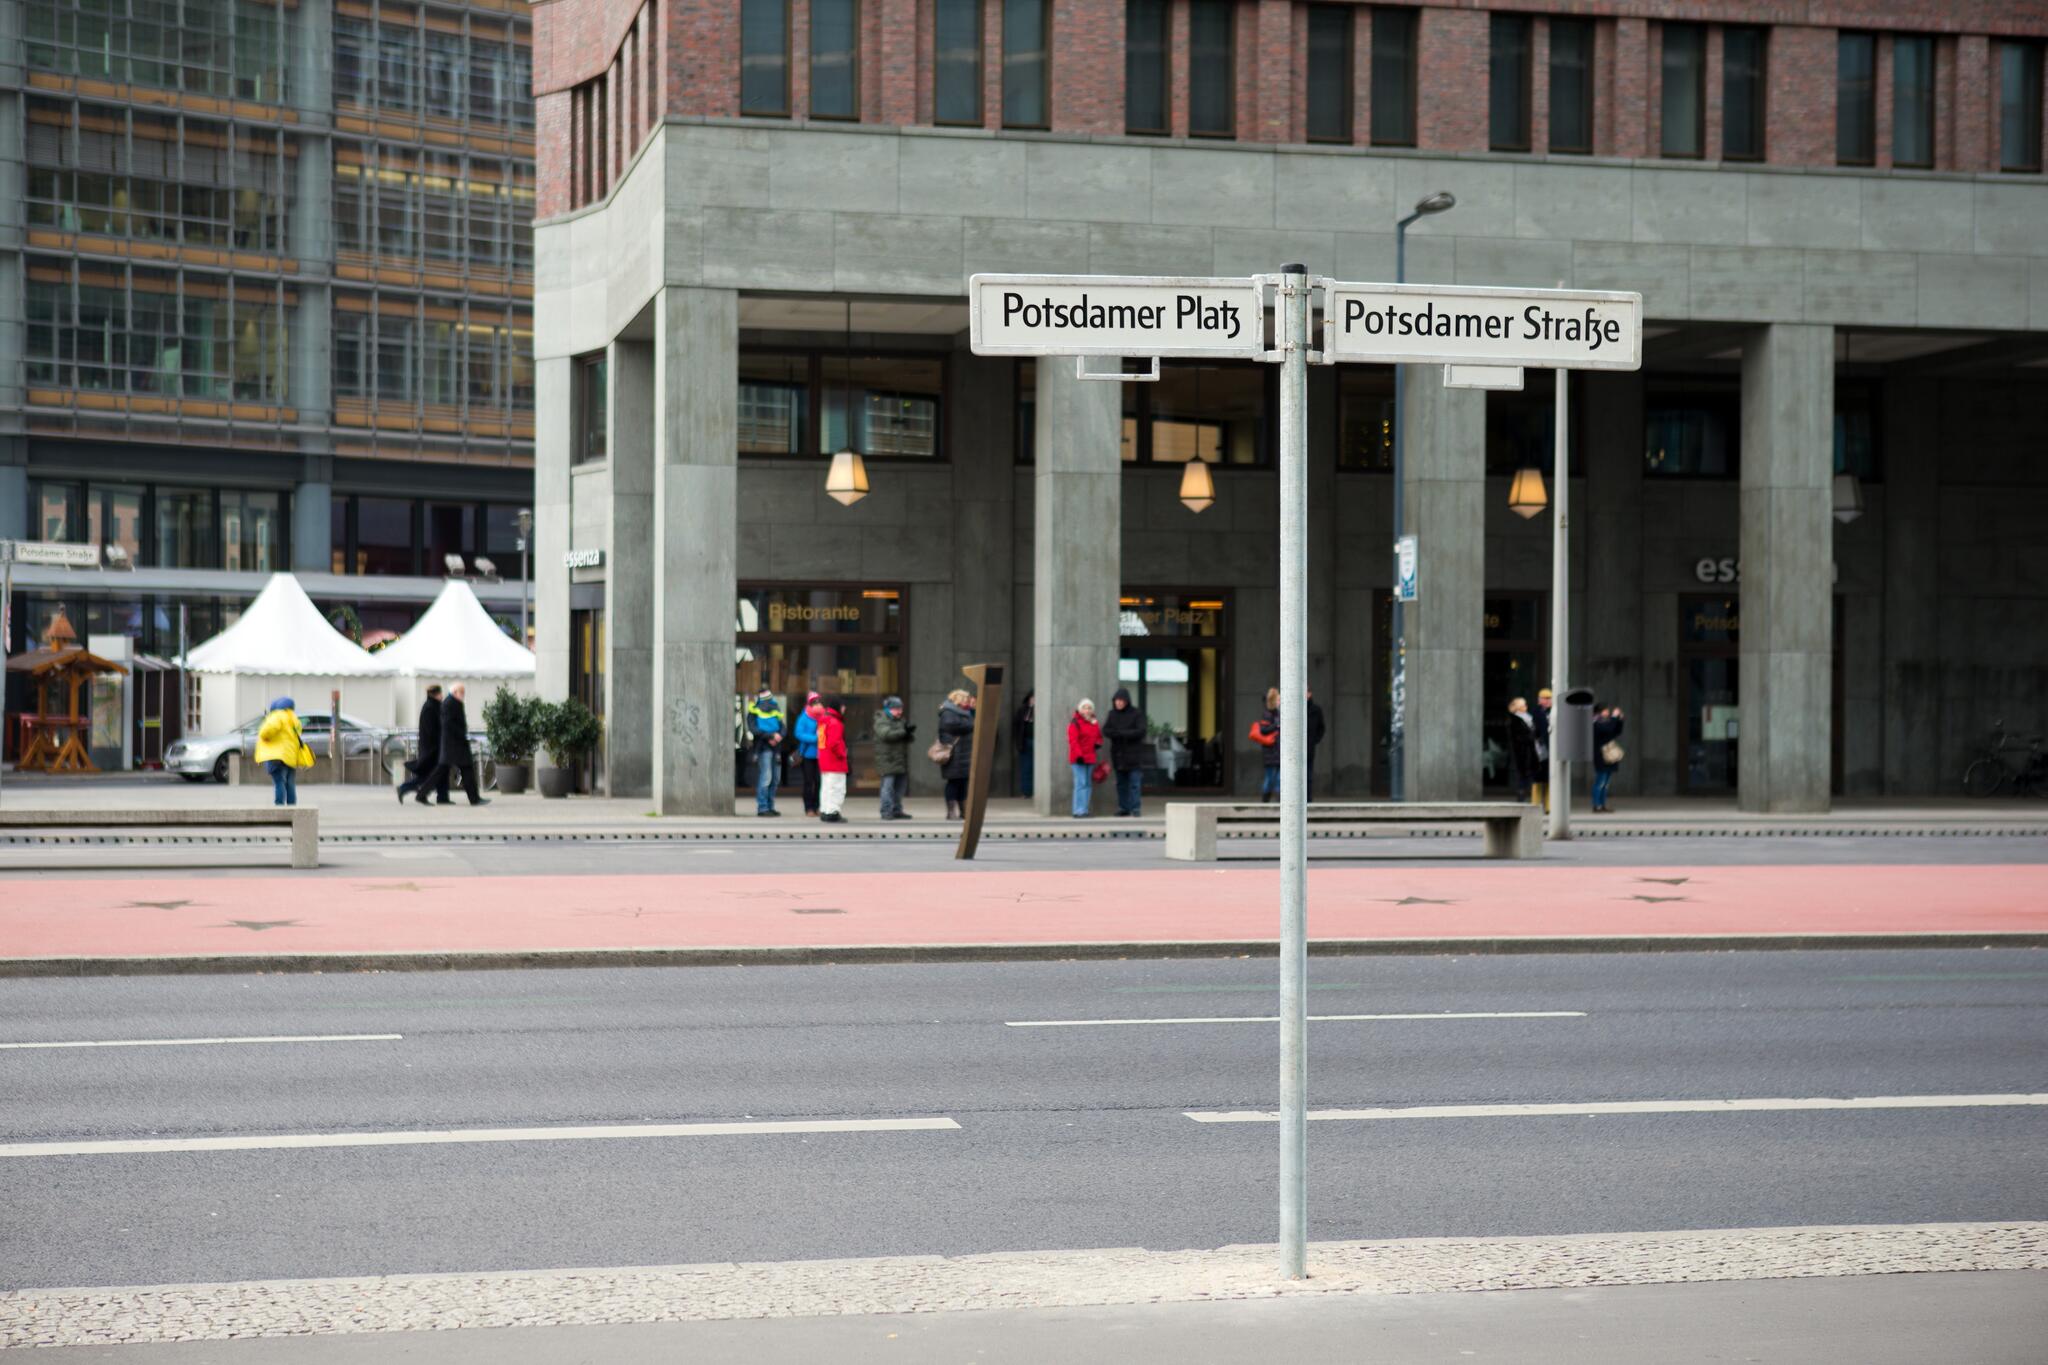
(931, 1284)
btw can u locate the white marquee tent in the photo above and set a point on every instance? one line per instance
(283, 646)
(456, 641)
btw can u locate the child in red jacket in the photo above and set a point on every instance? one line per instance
(832, 764)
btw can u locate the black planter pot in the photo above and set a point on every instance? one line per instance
(512, 778)
(557, 782)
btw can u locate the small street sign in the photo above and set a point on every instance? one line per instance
(1505, 378)
(1121, 315)
(1433, 324)
(1405, 558)
(54, 554)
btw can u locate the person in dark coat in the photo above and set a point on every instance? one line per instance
(429, 756)
(1522, 759)
(956, 729)
(1024, 734)
(1124, 728)
(456, 755)
(893, 735)
(1317, 728)
(1265, 732)
(1607, 728)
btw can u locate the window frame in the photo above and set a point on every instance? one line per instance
(1164, 11)
(979, 68)
(1045, 84)
(1404, 18)
(1229, 11)
(852, 60)
(1759, 88)
(788, 60)
(1696, 33)
(816, 386)
(1347, 17)
(1903, 43)
(582, 449)
(1499, 22)
(1846, 40)
(2030, 93)
(1588, 101)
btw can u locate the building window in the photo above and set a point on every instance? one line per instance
(184, 529)
(1571, 85)
(386, 536)
(1212, 68)
(815, 404)
(1147, 54)
(2019, 107)
(1393, 77)
(1693, 428)
(844, 642)
(252, 531)
(1365, 417)
(1742, 94)
(1507, 90)
(590, 404)
(114, 517)
(764, 58)
(1027, 63)
(1856, 99)
(956, 62)
(1329, 73)
(1685, 90)
(1913, 102)
(835, 59)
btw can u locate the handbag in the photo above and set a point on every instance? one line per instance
(1100, 773)
(940, 753)
(1611, 753)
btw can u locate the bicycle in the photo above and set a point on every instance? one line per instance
(1993, 772)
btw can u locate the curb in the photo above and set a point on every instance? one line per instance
(873, 954)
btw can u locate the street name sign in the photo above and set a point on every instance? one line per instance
(1432, 324)
(1120, 315)
(56, 554)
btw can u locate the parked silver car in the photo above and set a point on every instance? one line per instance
(197, 759)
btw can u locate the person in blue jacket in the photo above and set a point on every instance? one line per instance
(764, 724)
(807, 750)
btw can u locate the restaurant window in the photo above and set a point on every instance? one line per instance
(1742, 94)
(1217, 411)
(1684, 105)
(1913, 102)
(1212, 68)
(886, 406)
(835, 59)
(1174, 660)
(1507, 90)
(1027, 61)
(764, 57)
(590, 404)
(252, 531)
(1393, 77)
(2019, 107)
(846, 643)
(1329, 73)
(1147, 58)
(774, 403)
(1571, 85)
(956, 62)
(1856, 99)
(1365, 417)
(184, 529)
(1693, 428)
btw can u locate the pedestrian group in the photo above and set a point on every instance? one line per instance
(444, 752)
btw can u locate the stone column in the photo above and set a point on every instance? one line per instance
(1788, 404)
(1444, 474)
(1077, 561)
(629, 571)
(1912, 594)
(695, 548)
(313, 517)
(1611, 533)
(553, 418)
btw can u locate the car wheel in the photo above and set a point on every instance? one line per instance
(220, 769)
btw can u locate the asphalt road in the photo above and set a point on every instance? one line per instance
(1068, 1136)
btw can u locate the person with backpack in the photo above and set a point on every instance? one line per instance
(893, 734)
(1124, 728)
(1084, 741)
(832, 764)
(1265, 732)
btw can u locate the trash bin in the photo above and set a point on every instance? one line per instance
(1571, 727)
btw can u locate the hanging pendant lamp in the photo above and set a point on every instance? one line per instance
(1197, 486)
(1527, 496)
(1848, 498)
(846, 482)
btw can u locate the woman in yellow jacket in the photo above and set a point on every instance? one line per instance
(280, 749)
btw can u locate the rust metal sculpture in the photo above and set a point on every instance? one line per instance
(988, 718)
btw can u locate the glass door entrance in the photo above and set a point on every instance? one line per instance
(1175, 664)
(1710, 704)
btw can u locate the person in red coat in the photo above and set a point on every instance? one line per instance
(832, 764)
(1084, 740)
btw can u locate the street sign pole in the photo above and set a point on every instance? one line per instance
(1293, 345)
(1560, 774)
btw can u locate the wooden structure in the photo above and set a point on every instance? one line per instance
(55, 741)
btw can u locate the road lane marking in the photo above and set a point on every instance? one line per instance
(127, 1146)
(215, 1042)
(1274, 1018)
(1516, 1111)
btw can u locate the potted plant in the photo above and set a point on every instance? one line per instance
(568, 732)
(510, 721)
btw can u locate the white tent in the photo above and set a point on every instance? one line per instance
(282, 645)
(456, 641)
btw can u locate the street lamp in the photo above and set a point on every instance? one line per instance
(1440, 202)
(525, 524)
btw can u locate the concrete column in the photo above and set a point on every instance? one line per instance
(1077, 561)
(1912, 595)
(1445, 508)
(313, 517)
(554, 415)
(13, 488)
(630, 570)
(1611, 534)
(1788, 404)
(696, 549)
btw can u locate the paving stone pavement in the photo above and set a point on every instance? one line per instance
(930, 1284)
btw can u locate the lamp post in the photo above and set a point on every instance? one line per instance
(525, 522)
(1397, 665)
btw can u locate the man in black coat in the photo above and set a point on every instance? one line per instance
(428, 758)
(456, 755)
(1317, 728)
(1124, 728)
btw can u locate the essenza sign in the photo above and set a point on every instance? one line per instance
(1115, 315)
(1568, 329)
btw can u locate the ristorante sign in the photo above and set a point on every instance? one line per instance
(1423, 324)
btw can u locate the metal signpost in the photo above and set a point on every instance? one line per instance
(1150, 317)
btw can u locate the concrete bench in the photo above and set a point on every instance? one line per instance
(1513, 829)
(304, 822)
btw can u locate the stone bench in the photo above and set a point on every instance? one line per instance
(1513, 829)
(304, 822)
